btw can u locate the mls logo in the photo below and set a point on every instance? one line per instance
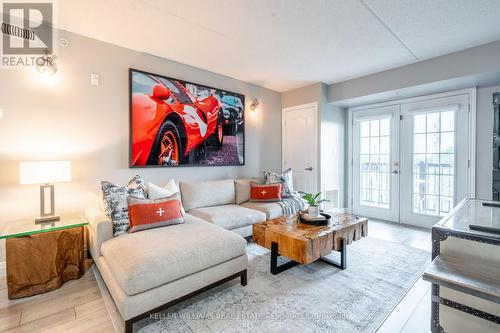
(27, 32)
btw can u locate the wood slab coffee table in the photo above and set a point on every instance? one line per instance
(304, 244)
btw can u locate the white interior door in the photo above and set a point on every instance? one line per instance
(434, 161)
(376, 163)
(300, 145)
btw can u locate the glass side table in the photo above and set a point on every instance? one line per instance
(41, 257)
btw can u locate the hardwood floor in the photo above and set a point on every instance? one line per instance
(79, 306)
(412, 314)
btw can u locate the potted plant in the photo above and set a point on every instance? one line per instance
(313, 200)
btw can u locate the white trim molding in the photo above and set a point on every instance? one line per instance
(374, 117)
(452, 107)
(472, 141)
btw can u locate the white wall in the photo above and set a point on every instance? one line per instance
(484, 144)
(69, 119)
(333, 174)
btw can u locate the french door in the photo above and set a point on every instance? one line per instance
(375, 159)
(410, 160)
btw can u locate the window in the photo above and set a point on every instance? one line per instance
(433, 163)
(375, 157)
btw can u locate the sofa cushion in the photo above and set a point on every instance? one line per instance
(242, 189)
(229, 216)
(150, 258)
(207, 193)
(271, 209)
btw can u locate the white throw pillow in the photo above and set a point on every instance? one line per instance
(158, 192)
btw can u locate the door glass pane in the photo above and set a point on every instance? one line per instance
(448, 121)
(375, 163)
(365, 129)
(433, 163)
(419, 143)
(365, 145)
(432, 122)
(419, 123)
(385, 127)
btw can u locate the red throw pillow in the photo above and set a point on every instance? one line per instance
(146, 213)
(265, 193)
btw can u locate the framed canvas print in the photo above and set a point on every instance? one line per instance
(179, 123)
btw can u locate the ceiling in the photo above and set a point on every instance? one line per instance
(285, 44)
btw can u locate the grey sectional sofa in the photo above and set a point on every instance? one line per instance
(226, 203)
(150, 270)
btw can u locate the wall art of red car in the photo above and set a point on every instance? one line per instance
(169, 126)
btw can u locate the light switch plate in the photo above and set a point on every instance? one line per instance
(94, 79)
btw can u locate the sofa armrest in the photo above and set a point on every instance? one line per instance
(100, 230)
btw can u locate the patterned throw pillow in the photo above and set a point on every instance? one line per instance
(115, 202)
(265, 193)
(147, 214)
(285, 179)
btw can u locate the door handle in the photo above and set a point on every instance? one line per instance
(309, 169)
(395, 172)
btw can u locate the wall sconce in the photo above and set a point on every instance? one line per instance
(254, 105)
(47, 64)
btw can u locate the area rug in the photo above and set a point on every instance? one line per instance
(312, 298)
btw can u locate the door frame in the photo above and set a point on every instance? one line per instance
(316, 149)
(471, 151)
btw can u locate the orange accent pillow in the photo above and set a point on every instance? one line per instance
(146, 213)
(265, 193)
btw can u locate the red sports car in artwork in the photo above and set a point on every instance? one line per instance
(169, 125)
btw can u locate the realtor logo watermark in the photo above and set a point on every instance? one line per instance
(28, 34)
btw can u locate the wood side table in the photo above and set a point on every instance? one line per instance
(41, 257)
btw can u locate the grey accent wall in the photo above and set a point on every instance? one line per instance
(66, 118)
(484, 144)
(302, 95)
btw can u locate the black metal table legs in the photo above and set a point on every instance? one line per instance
(276, 269)
(343, 256)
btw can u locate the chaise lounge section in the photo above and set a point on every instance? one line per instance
(154, 269)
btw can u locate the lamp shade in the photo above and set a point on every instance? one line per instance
(44, 172)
